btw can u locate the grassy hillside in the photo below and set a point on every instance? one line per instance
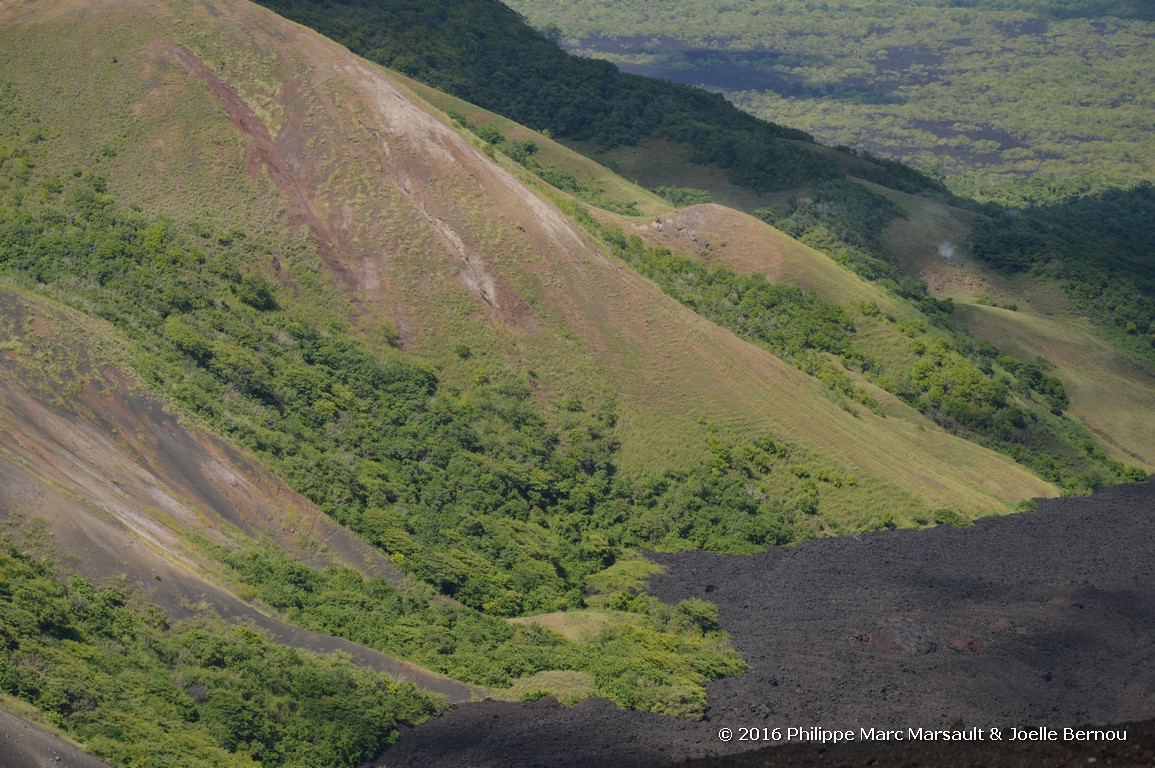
(1032, 105)
(244, 271)
(1078, 315)
(1112, 395)
(908, 349)
(834, 215)
(293, 382)
(538, 302)
(174, 522)
(418, 324)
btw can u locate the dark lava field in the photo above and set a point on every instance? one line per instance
(1037, 620)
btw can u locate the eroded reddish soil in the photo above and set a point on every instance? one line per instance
(1043, 618)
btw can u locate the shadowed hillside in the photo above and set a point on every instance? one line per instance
(486, 54)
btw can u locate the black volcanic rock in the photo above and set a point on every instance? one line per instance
(1043, 618)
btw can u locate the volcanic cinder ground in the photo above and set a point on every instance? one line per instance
(23, 745)
(1043, 618)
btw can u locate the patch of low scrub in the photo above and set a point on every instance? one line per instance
(136, 689)
(567, 687)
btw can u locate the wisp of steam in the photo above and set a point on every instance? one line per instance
(946, 250)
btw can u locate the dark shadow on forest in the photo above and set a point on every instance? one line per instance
(730, 70)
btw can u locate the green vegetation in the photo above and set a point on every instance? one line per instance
(884, 95)
(490, 494)
(796, 325)
(1017, 410)
(524, 151)
(848, 210)
(845, 220)
(683, 195)
(984, 94)
(620, 659)
(484, 53)
(952, 518)
(138, 690)
(1098, 248)
(478, 51)
(472, 491)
